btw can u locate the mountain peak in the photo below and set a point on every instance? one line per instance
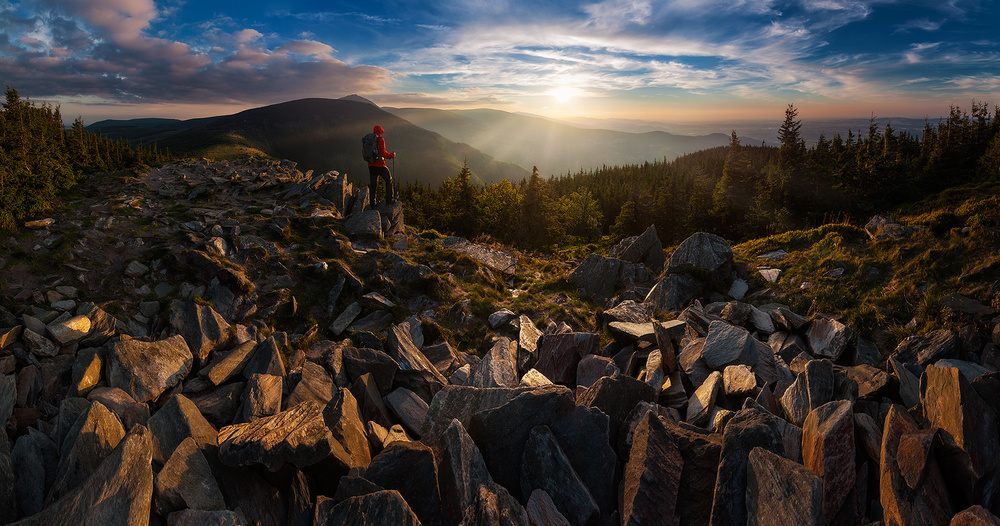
(358, 98)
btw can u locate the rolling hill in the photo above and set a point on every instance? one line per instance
(320, 135)
(553, 147)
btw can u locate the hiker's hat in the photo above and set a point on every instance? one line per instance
(379, 130)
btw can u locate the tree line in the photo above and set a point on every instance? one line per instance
(738, 191)
(39, 158)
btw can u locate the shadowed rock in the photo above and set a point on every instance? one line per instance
(203, 329)
(463, 470)
(93, 438)
(186, 481)
(782, 492)
(383, 508)
(544, 466)
(119, 491)
(409, 468)
(748, 429)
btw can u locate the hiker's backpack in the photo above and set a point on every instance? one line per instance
(369, 148)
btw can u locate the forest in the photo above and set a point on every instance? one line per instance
(739, 191)
(39, 158)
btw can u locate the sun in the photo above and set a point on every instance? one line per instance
(564, 93)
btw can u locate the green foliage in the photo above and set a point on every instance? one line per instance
(39, 159)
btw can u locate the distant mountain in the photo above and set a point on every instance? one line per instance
(555, 148)
(320, 135)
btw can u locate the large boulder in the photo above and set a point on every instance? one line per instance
(702, 253)
(674, 292)
(645, 249)
(186, 481)
(298, 436)
(382, 507)
(94, 436)
(912, 488)
(145, 370)
(463, 470)
(599, 277)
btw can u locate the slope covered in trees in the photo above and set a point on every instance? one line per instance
(39, 158)
(739, 191)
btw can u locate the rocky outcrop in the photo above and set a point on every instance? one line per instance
(178, 397)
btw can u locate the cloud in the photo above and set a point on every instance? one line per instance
(922, 24)
(107, 49)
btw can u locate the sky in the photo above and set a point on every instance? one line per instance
(660, 60)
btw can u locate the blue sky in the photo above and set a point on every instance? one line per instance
(666, 60)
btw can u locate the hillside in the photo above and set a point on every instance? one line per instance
(240, 343)
(553, 147)
(318, 134)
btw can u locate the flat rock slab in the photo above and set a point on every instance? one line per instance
(298, 436)
(145, 370)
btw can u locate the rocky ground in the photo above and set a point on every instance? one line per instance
(242, 343)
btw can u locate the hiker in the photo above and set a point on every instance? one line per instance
(377, 168)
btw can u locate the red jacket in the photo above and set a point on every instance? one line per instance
(383, 155)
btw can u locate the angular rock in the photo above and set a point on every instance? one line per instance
(728, 345)
(494, 506)
(409, 408)
(533, 378)
(497, 368)
(462, 403)
(544, 466)
(39, 345)
(616, 397)
(952, 404)
(265, 359)
(366, 223)
(925, 350)
(145, 370)
(598, 276)
(702, 252)
(119, 491)
(346, 318)
(542, 511)
(206, 518)
(97, 433)
(228, 364)
(86, 372)
(178, 419)
(739, 381)
(702, 402)
(748, 429)
(700, 451)
(261, 397)
(632, 332)
(781, 492)
(381, 366)
(315, 385)
(298, 436)
(591, 369)
(463, 470)
(203, 329)
(34, 459)
(69, 331)
(673, 292)
(409, 358)
(527, 344)
(382, 507)
(828, 338)
(186, 481)
(221, 405)
(652, 477)
(560, 354)
(828, 450)
(8, 396)
(975, 516)
(820, 382)
(628, 311)
(409, 468)
(926, 501)
(501, 434)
